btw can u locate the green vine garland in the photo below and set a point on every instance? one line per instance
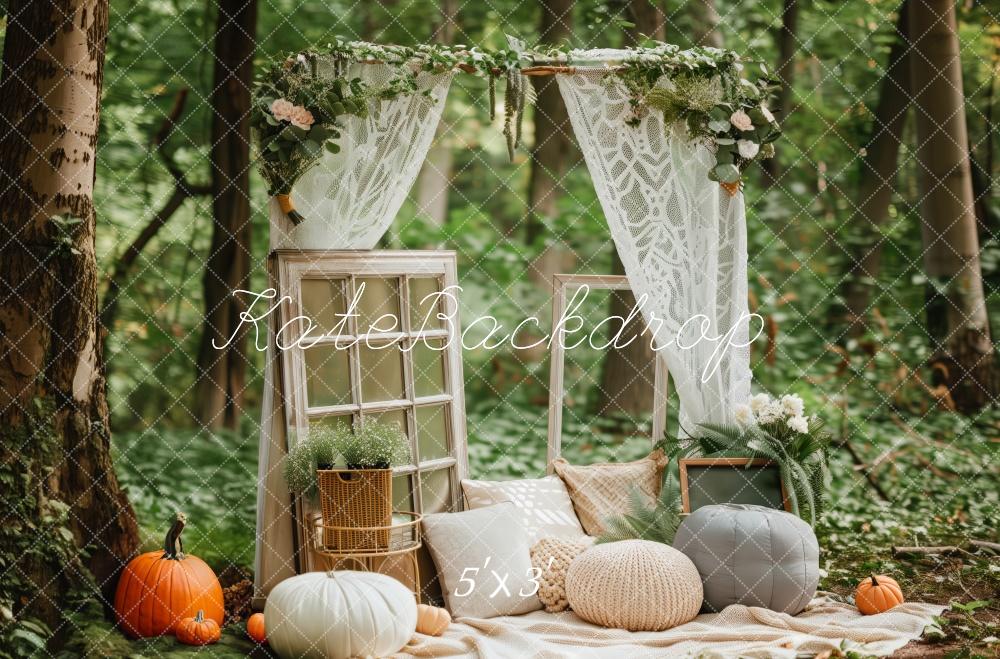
(298, 111)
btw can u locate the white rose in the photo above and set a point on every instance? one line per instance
(758, 402)
(741, 120)
(772, 412)
(792, 405)
(799, 424)
(747, 148)
(743, 415)
(767, 114)
(282, 109)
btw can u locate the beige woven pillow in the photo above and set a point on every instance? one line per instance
(601, 490)
(550, 557)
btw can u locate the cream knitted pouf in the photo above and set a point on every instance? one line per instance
(636, 585)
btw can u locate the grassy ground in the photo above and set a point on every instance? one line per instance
(939, 473)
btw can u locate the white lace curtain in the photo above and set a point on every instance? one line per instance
(349, 199)
(681, 238)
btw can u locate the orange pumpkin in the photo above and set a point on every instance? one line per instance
(158, 589)
(877, 594)
(198, 630)
(432, 620)
(255, 628)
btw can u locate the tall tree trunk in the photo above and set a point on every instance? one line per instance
(628, 373)
(648, 19)
(54, 434)
(222, 372)
(552, 151)
(435, 176)
(964, 353)
(877, 180)
(785, 70)
(705, 21)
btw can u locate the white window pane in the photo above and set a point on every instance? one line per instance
(428, 368)
(435, 490)
(432, 431)
(328, 377)
(424, 305)
(402, 493)
(381, 372)
(322, 300)
(379, 297)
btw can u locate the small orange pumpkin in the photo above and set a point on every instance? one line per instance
(198, 630)
(255, 628)
(877, 593)
(160, 588)
(432, 620)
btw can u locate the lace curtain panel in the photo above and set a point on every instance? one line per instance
(681, 238)
(350, 199)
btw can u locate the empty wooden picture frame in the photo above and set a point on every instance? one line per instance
(564, 285)
(394, 360)
(706, 481)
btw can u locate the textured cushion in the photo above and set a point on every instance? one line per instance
(544, 502)
(751, 555)
(601, 490)
(482, 561)
(551, 558)
(636, 585)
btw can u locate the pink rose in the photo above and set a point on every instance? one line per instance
(282, 109)
(301, 117)
(741, 120)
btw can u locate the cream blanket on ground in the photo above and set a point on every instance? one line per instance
(738, 631)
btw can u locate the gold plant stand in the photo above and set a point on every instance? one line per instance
(398, 554)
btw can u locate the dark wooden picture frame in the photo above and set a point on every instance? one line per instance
(733, 463)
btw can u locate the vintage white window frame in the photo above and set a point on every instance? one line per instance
(562, 285)
(292, 266)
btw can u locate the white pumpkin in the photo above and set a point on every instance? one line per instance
(334, 615)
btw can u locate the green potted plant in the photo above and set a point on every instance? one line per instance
(310, 453)
(357, 492)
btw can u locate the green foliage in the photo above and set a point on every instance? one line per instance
(658, 522)
(37, 546)
(802, 457)
(288, 148)
(371, 445)
(703, 88)
(210, 476)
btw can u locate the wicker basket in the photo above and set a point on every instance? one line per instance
(356, 497)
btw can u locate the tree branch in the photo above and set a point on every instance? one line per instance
(182, 191)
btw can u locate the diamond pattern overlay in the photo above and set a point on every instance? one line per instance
(902, 448)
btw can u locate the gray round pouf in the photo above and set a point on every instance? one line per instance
(751, 555)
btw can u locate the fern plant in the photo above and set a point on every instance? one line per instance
(657, 523)
(801, 457)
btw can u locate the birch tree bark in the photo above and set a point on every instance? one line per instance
(54, 431)
(956, 310)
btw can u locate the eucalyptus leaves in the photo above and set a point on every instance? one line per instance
(703, 88)
(295, 116)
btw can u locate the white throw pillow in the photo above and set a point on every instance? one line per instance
(544, 503)
(483, 561)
